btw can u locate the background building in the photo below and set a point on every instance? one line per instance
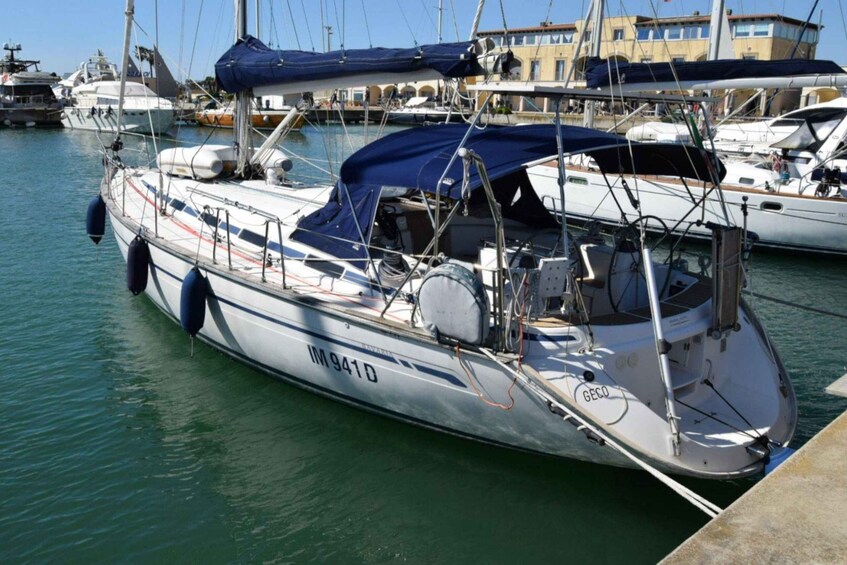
(548, 51)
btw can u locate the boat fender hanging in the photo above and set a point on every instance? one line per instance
(454, 304)
(192, 302)
(95, 220)
(137, 265)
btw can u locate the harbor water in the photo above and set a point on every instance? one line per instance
(117, 445)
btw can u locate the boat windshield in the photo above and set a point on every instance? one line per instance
(132, 89)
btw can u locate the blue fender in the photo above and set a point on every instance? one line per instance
(192, 303)
(95, 219)
(137, 265)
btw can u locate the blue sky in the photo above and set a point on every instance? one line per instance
(62, 33)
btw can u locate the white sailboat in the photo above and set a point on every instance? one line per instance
(502, 328)
(799, 204)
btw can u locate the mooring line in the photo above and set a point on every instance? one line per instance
(798, 306)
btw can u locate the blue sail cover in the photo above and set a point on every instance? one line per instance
(416, 158)
(250, 63)
(602, 73)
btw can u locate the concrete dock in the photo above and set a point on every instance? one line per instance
(797, 514)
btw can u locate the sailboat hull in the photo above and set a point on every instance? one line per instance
(781, 221)
(333, 355)
(313, 336)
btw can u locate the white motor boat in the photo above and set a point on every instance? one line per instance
(94, 107)
(91, 97)
(502, 328)
(806, 144)
(420, 110)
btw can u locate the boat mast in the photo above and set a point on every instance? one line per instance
(596, 39)
(475, 25)
(715, 29)
(258, 21)
(128, 13)
(241, 120)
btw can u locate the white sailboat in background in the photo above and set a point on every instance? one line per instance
(430, 285)
(804, 210)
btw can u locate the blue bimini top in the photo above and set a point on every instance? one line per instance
(415, 159)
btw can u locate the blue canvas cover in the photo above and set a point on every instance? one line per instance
(250, 63)
(416, 158)
(603, 73)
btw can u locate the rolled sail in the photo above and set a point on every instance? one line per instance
(601, 73)
(251, 64)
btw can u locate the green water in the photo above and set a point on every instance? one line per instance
(116, 445)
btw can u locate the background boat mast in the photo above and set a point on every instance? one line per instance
(715, 25)
(596, 40)
(129, 14)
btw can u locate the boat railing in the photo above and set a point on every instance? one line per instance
(498, 305)
(266, 254)
(228, 239)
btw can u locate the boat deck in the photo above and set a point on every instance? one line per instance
(693, 297)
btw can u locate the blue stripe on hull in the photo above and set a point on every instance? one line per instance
(449, 377)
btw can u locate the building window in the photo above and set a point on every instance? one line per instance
(535, 70)
(690, 32)
(529, 39)
(674, 32)
(749, 56)
(587, 36)
(560, 69)
(762, 30)
(617, 34)
(517, 40)
(704, 32)
(643, 34)
(742, 30)
(567, 37)
(678, 59)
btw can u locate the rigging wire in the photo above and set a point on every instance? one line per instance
(367, 26)
(455, 22)
(308, 27)
(409, 27)
(293, 26)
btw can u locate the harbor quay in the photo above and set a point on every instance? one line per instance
(794, 515)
